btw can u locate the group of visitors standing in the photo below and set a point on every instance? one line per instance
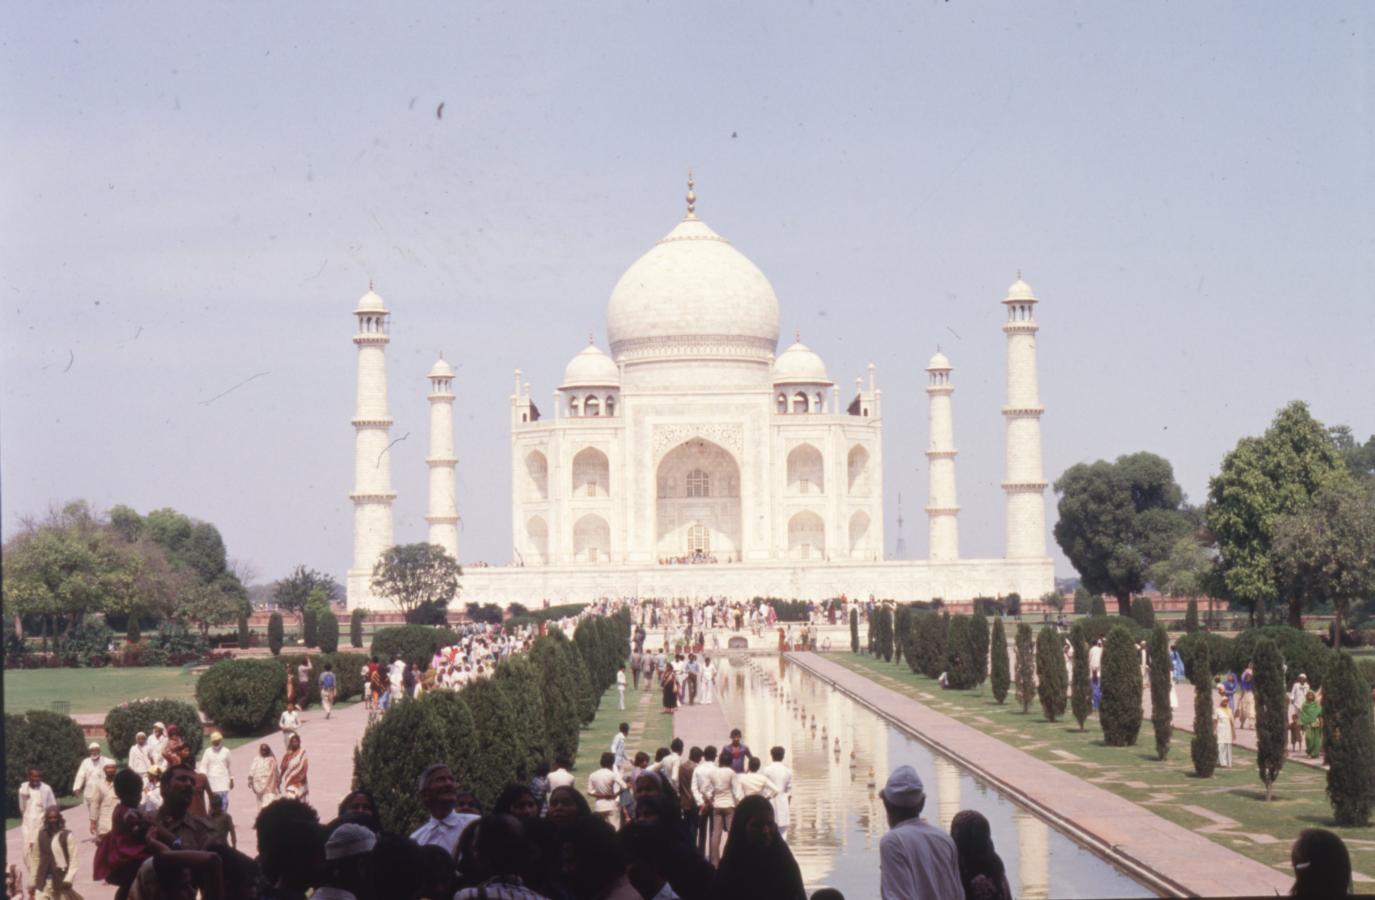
(681, 678)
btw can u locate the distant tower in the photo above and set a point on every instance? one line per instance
(443, 509)
(372, 492)
(1024, 485)
(941, 508)
(900, 547)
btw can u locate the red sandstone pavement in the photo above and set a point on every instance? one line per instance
(1188, 862)
(329, 747)
(701, 724)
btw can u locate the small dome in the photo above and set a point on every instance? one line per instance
(1020, 290)
(370, 302)
(591, 368)
(938, 363)
(799, 364)
(441, 369)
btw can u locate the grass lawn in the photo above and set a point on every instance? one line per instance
(1228, 808)
(94, 690)
(650, 729)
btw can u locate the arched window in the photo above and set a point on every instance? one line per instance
(610, 405)
(699, 539)
(799, 402)
(782, 403)
(698, 484)
(574, 407)
(591, 407)
(819, 406)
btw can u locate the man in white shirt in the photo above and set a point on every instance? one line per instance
(701, 778)
(1298, 694)
(668, 766)
(156, 742)
(605, 785)
(89, 777)
(214, 765)
(620, 688)
(439, 795)
(34, 799)
(561, 776)
(138, 756)
(1096, 659)
(782, 778)
(917, 860)
(618, 746)
(719, 791)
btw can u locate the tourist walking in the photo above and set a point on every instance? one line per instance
(752, 782)
(303, 673)
(1246, 705)
(35, 797)
(138, 756)
(757, 863)
(701, 778)
(1224, 726)
(618, 746)
(290, 723)
(89, 776)
(106, 800)
(637, 662)
(706, 692)
(562, 776)
(688, 805)
(295, 776)
(263, 775)
(620, 688)
(739, 751)
(605, 786)
(981, 869)
(1298, 694)
(670, 685)
(1096, 658)
(57, 863)
(720, 797)
(215, 766)
(917, 860)
(156, 741)
(782, 778)
(328, 689)
(1310, 717)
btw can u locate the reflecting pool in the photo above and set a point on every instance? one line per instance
(840, 754)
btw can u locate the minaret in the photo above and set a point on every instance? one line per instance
(941, 508)
(1024, 485)
(443, 509)
(372, 493)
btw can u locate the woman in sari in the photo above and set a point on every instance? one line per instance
(670, 685)
(174, 750)
(295, 771)
(1246, 704)
(262, 776)
(1310, 717)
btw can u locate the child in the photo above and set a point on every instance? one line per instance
(124, 848)
(221, 824)
(1295, 735)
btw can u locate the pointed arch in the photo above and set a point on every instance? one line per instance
(806, 536)
(806, 470)
(536, 476)
(591, 473)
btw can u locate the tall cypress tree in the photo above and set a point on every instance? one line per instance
(1080, 687)
(959, 654)
(999, 677)
(1272, 708)
(978, 634)
(1097, 607)
(1026, 666)
(854, 631)
(1203, 748)
(1162, 717)
(1120, 711)
(901, 620)
(884, 647)
(1350, 741)
(1191, 616)
(1052, 682)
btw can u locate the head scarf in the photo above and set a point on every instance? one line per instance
(752, 872)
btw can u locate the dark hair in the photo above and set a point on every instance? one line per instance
(974, 840)
(128, 787)
(624, 728)
(641, 759)
(166, 778)
(433, 860)
(601, 861)
(676, 745)
(343, 804)
(501, 845)
(695, 754)
(754, 764)
(396, 865)
(608, 760)
(660, 754)
(1322, 865)
(507, 799)
(288, 830)
(828, 894)
(777, 754)
(725, 758)
(563, 761)
(709, 753)
(734, 733)
(578, 799)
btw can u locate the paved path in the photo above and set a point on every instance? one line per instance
(1246, 737)
(329, 745)
(701, 724)
(1181, 859)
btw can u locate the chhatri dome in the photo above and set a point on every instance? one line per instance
(1020, 290)
(939, 363)
(799, 364)
(370, 302)
(441, 369)
(691, 291)
(591, 368)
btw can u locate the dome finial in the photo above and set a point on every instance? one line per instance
(590, 340)
(369, 284)
(797, 335)
(691, 197)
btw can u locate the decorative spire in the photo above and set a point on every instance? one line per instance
(797, 335)
(369, 284)
(590, 339)
(691, 198)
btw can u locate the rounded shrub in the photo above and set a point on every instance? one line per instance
(132, 633)
(45, 740)
(275, 633)
(1097, 607)
(242, 696)
(327, 632)
(1120, 710)
(413, 643)
(356, 628)
(1096, 628)
(1083, 601)
(88, 644)
(519, 679)
(124, 722)
(245, 636)
(1191, 616)
(1301, 651)
(1219, 650)
(1143, 611)
(559, 688)
(348, 674)
(393, 752)
(1080, 682)
(460, 735)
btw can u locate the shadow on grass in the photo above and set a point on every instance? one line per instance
(1253, 795)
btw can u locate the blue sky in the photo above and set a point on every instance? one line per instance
(195, 195)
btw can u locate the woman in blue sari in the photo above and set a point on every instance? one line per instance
(1177, 664)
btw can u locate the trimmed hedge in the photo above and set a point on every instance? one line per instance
(519, 678)
(559, 687)
(242, 696)
(356, 628)
(348, 674)
(276, 633)
(327, 632)
(413, 643)
(124, 722)
(1052, 681)
(1097, 627)
(960, 662)
(1301, 651)
(999, 678)
(395, 750)
(50, 741)
(1120, 711)
(498, 762)
(1349, 741)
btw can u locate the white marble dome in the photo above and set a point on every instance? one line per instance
(692, 294)
(1020, 290)
(591, 368)
(939, 363)
(799, 364)
(370, 302)
(441, 369)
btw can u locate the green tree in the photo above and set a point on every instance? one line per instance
(1052, 682)
(1083, 601)
(1120, 710)
(244, 635)
(1191, 616)
(275, 633)
(1203, 748)
(1359, 458)
(960, 664)
(1053, 600)
(1080, 687)
(327, 631)
(208, 606)
(1026, 667)
(1097, 607)
(1162, 716)
(1143, 611)
(1186, 571)
(498, 761)
(854, 631)
(902, 621)
(1325, 552)
(1000, 678)
(292, 593)
(356, 619)
(559, 689)
(416, 577)
(1117, 519)
(978, 637)
(1262, 479)
(518, 677)
(1272, 706)
(884, 647)
(1349, 739)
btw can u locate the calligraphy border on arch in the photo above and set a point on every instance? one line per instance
(727, 435)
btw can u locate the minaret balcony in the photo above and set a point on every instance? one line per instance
(444, 396)
(1028, 411)
(942, 454)
(1025, 487)
(441, 461)
(372, 338)
(942, 389)
(385, 422)
(942, 510)
(1011, 328)
(384, 497)
(442, 520)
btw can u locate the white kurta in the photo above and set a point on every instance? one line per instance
(782, 778)
(33, 802)
(215, 766)
(138, 759)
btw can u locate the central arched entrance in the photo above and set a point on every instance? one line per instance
(697, 511)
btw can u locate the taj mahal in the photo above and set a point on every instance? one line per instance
(695, 460)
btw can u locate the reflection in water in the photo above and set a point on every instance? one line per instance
(841, 753)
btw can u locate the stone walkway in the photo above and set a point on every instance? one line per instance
(1246, 737)
(329, 746)
(1180, 859)
(701, 724)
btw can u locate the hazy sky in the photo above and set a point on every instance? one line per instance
(196, 195)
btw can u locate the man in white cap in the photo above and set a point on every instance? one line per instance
(917, 860)
(138, 756)
(439, 794)
(1298, 695)
(157, 741)
(348, 861)
(214, 765)
(89, 777)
